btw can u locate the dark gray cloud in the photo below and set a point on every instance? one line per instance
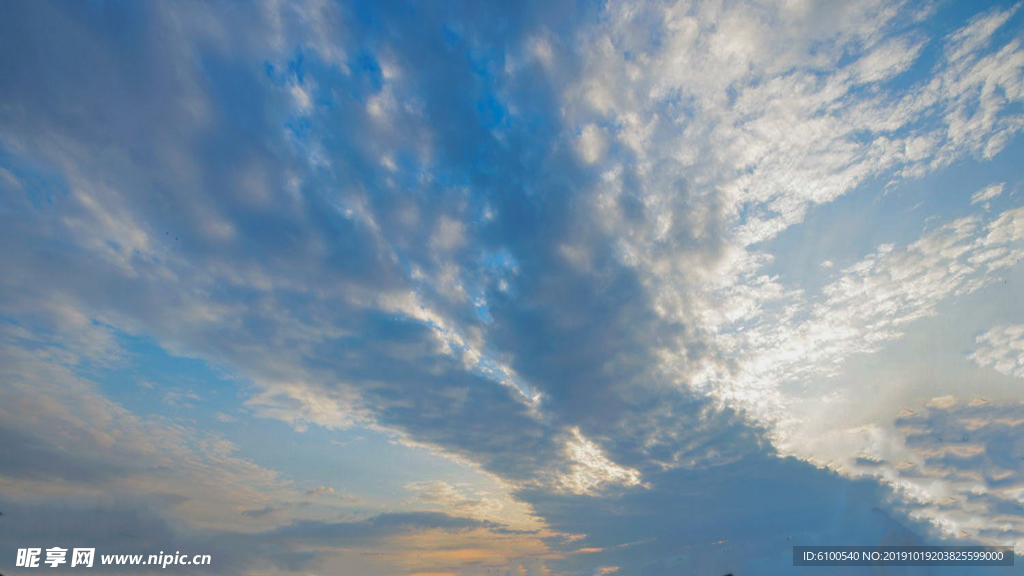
(24, 455)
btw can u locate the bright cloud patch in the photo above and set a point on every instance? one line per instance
(1002, 348)
(987, 193)
(590, 468)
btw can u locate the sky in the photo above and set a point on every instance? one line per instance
(521, 288)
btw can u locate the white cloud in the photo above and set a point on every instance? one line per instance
(887, 60)
(956, 464)
(987, 193)
(492, 502)
(591, 144)
(793, 134)
(330, 493)
(300, 405)
(9, 180)
(1002, 348)
(785, 355)
(789, 337)
(300, 95)
(591, 470)
(450, 234)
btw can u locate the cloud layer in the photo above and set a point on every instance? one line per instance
(557, 247)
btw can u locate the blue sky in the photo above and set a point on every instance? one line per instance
(528, 288)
